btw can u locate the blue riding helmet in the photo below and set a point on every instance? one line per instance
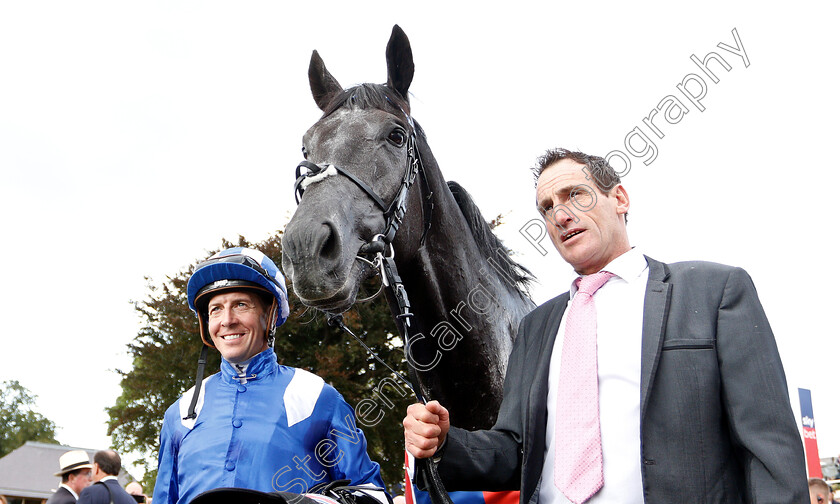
(237, 268)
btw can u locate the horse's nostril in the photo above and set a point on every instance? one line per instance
(330, 241)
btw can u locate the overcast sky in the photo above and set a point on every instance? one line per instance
(134, 136)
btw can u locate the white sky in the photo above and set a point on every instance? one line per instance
(135, 135)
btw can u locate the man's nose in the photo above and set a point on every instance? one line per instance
(560, 216)
(228, 317)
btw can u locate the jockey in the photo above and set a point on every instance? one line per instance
(256, 424)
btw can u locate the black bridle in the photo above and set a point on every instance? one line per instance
(391, 280)
(394, 212)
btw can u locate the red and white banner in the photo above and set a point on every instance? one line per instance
(809, 433)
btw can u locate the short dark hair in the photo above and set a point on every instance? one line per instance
(605, 176)
(108, 461)
(598, 167)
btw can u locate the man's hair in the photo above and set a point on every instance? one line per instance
(66, 476)
(821, 486)
(601, 171)
(109, 461)
(597, 167)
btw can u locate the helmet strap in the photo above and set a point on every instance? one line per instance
(199, 376)
(271, 322)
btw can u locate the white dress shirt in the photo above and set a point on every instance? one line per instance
(619, 305)
(73, 492)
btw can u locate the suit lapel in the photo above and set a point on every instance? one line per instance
(538, 392)
(657, 302)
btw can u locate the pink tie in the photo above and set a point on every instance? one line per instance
(578, 462)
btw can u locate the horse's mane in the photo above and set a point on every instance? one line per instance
(384, 98)
(489, 244)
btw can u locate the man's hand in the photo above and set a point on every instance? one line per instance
(425, 428)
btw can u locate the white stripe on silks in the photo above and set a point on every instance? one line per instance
(301, 395)
(186, 399)
(330, 171)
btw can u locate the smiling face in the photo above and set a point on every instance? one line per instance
(586, 225)
(237, 325)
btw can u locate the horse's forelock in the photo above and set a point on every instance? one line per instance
(366, 96)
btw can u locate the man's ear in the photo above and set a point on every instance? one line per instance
(622, 200)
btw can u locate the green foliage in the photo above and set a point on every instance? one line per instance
(19, 422)
(165, 354)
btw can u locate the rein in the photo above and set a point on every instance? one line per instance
(394, 214)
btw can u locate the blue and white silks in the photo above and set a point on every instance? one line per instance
(282, 430)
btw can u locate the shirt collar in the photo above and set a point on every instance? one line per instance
(258, 365)
(69, 490)
(628, 267)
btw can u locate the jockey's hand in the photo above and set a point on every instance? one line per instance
(425, 428)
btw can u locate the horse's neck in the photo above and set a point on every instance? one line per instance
(449, 272)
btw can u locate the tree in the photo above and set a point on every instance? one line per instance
(165, 353)
(19, 422)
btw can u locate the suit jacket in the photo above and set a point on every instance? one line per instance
(98, 494)
(61, 496)
(716, 421)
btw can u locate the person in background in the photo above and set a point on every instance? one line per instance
(75, 471)
(820, 491)
(136, 490)
(106, 488)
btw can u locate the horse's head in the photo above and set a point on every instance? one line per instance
(357, 156)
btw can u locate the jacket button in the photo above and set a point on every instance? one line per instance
(237, 423)
(230, 465)
(241, 388)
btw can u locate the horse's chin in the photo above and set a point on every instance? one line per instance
(332, 306)
(342, 298)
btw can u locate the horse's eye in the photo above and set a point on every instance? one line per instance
(305, 154)
(397, 137)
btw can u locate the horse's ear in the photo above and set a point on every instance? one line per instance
(323, 85)
(400, 62)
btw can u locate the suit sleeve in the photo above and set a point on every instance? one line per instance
(755, 397)
(166, 485)
(491, 459)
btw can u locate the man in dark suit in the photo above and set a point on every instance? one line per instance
(691, 402)
(75, 475)
(106, 489)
